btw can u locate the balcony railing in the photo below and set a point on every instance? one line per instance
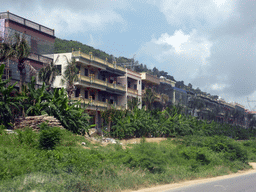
(92, 79)
(96, 103)
(96, 59)
(26, 22)
(133, 91)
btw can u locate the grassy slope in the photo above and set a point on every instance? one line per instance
(72, 167)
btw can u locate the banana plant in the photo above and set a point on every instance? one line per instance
(8, 103)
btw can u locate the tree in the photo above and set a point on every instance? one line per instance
(6, 52)
(7, 103)
(70, 76)
(21, 51)
(164, 100)
(133, 103)
(48, 73)
(149, 98)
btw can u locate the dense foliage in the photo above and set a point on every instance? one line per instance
(56, 103)
(8, 103)
(37, 101)
(168, 123)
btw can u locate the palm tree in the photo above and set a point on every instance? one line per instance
(149, 98)
(6, 52)
(164, 100)
(21, 51)
(48, 73)
(70, 76)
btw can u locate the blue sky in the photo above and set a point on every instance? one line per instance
(209, 43)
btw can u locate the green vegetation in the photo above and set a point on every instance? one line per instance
(34, 101)
(167, 123)
(53, 159)
(8, 104)
(25, 165)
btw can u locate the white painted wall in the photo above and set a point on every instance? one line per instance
(62, 60)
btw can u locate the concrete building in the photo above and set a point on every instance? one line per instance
(167, 87)
(133, 89)
(151, 82)
(100, 84)
(40, 39)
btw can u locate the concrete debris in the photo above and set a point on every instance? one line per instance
(83, 143)
(9, 131)
(35, 121)
(93, 132)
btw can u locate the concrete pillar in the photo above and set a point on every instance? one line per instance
(173, 97)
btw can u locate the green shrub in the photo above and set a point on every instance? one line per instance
(2, 127)
(49, 137)
(27, 137)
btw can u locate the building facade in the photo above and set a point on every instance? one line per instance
(99, 84)
(40, 39)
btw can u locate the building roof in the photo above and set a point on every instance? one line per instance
(180, 90)
(10, 16)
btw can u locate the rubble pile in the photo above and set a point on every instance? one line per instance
(35, 121)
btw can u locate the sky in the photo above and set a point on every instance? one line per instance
(208, 43)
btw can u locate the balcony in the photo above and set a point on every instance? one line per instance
(150, 78)
(132, 91)
(102, 62)
(157, 95)
(94, 104)
(92, 80)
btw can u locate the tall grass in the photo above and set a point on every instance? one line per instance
(24, 166)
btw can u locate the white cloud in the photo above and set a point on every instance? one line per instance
(189, 13)
(67, 17)
(187, 45)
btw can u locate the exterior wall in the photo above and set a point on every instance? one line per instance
(150, 78)
(136, 80)
(28, 31)
(40, 43)
(97, 89)
(62, 60)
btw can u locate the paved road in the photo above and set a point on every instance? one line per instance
(240, 183)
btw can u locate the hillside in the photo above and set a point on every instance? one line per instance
(62, 46)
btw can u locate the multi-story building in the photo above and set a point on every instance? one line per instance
(166, 87)
(240, 116)
(133, 89)
(151, 82)
(99, 85)
(180, 96)
(40, 39)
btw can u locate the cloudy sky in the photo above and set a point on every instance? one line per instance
(208, 43)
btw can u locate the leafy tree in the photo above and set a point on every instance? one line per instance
(164, 100)
(149, 98)
(7, 103)
(37, 102)
(132, 103)
(21, 52)
(70, 76)
(6, 51)
(48, 73)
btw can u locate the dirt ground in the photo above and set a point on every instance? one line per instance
(124, 142)
(197, 181)
(138, 140)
